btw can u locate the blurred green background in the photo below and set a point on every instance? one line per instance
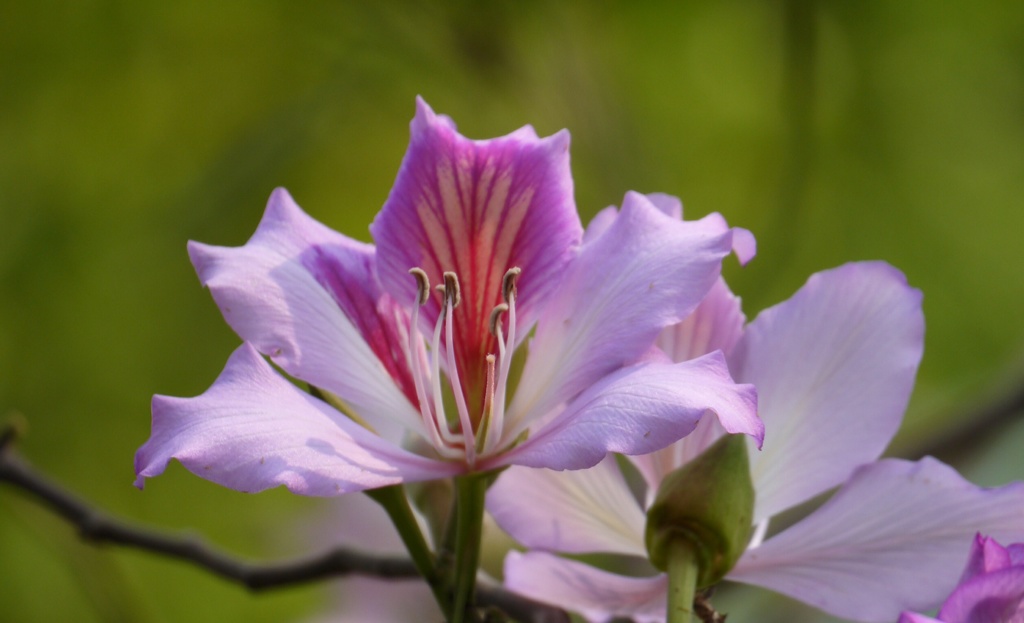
(835, 131)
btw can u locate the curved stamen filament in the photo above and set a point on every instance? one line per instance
(496, 422)
(433, 421)
(452, 298)
(416, 365)
(449, 439)
(467, 442)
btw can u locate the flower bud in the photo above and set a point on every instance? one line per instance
(709, 503)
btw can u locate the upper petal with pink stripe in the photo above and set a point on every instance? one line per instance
(409, 348)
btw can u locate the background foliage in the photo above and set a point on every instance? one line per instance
(835, 131)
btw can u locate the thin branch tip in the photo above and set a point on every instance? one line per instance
(98, 528)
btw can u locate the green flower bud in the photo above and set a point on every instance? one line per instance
(709, 503)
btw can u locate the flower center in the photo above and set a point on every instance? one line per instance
(471, 436)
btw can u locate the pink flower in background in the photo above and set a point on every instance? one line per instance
(410, 342)
(991, 589)
(358, 522)
(834, 367)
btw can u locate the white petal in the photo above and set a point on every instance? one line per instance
(587, 510)
(834, 367)
(598, 595)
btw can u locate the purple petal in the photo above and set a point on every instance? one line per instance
(716, 324)
(744, 245)
(600, 223)
(669, 204)
(253, 430)
(587, 510)
(986, 555)
(478, 208)
(834, 367)
(995, 597)
(638, 410)
(597, 595)
(1016, 553)
(893, 538)
(646, 272)
(656, 465)
(306, 296)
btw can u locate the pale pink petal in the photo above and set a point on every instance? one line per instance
(253, 430)
(913, 617)
(744, 245)
(716, 324)
(637, 410)
(306, 296)
(656, 465)
(834, 367)
(587, 510)
(894, 538)
(366, 600)
(478, 208)
(359, 522)
(598, 595)
(600, 223)
(646, 272)
(669, 204)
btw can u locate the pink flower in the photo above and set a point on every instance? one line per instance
(410, 342)
(991, 589)
(834, 367)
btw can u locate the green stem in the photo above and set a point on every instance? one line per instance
(682, 581)
(396, 504)
(470, 492)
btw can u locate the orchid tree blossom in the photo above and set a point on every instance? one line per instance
(408, 345)
(834, 367)
(991, 589)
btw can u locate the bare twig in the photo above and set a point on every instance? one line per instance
(96, 527)
(99, 528)
(703, 609)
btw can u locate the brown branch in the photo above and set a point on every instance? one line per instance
(99, 528)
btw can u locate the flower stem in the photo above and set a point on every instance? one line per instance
(470, 492)
(396, 504)
(682, 581)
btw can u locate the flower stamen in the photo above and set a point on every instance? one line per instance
(449, 441)
(506, 345)
(485, 424)
(415, 364)
(452, 298)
